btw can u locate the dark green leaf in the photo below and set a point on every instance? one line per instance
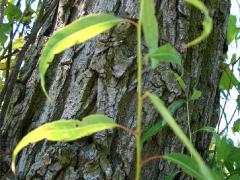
(234, 177)
(236, 126)
(171, 176)
(64, 130)
(196, 94)
(77, 32)
(150, 25)
(159, 125)
(232, 30)
(165, 53)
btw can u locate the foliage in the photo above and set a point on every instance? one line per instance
(223, 158)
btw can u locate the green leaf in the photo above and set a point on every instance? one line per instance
(64, 130)
(234, 59)
(13, 12)
(150, 24)
(188, 164)
(228, 79)
(171, 176)
(4, 31)
(207, 22)
(165, 53)
(159, 125)
(236, 126)
(159, 105)
(196, 94)
(232, 30)
(77, 32)
(234, 177)
(180, 82)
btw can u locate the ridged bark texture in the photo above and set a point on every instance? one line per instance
(100, 77)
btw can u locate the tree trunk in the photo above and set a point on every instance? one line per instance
(100, 77)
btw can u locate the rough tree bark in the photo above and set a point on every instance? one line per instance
(100, 76)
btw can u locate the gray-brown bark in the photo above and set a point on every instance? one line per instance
(100, 76)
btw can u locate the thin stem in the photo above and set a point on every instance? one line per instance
(139, 95)
(151, 159)
(126, 129)
(188, 119)
(139, 103)
(229, 122)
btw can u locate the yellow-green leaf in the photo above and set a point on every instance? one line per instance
(150, 25)
(207, 22)
(77, 32)
(64, 130)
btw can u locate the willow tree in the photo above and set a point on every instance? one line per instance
(99, 76)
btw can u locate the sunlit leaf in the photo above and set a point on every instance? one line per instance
(18, 43)
(232, 30)
(150, 25)
(77, 32)
(196, 94)
(159, 125)
(165, 53)
(159, 105)
(188, 164)
(64, 130)
(12, 12)
(207, 22)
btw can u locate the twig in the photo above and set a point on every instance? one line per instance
(151, 159)
(229, 122)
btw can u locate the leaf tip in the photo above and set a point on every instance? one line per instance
(13, 167)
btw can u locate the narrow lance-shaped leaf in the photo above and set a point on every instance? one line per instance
(207, 22)
(188, 164)
(150, 25)
(77, 32)
(64, 130)
(159, 125)
(232, 29)
(205, 171)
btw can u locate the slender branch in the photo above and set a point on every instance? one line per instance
(10, 54)
(126, 129)
(9, 57)
(230, 121)
(139, 95)
(145, 161)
